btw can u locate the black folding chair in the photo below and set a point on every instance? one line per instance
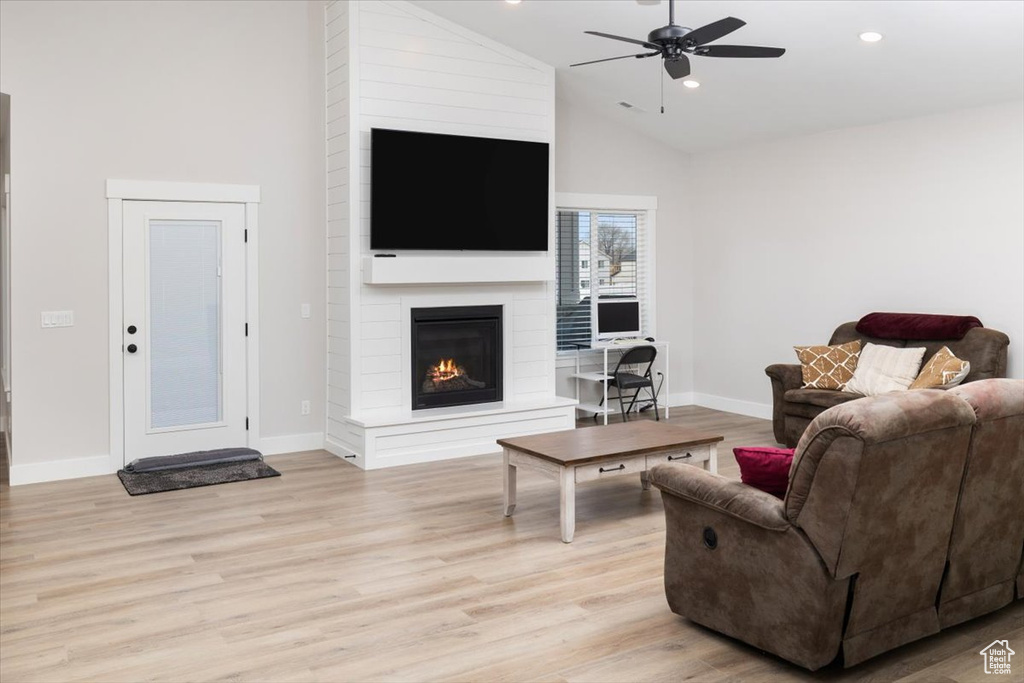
(633, 373)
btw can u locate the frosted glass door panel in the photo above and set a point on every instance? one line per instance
(185, 364)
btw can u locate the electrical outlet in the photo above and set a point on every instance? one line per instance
(57, 318)
(304, 310)
(306, 408)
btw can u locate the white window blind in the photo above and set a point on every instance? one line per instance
(608, 248)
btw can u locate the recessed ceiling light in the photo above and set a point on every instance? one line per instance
(871, 36)
(513, 2)
(691, 84)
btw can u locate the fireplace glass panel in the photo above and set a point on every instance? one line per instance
(456, 356)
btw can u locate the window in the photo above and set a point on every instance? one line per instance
(620, 268)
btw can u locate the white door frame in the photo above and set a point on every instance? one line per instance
(119, 191)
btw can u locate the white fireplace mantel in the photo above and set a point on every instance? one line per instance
(437, 270)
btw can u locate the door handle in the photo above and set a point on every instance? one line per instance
(132, 348)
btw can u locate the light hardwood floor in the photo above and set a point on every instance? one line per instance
(329, 573)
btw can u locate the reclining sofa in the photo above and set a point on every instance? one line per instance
(902, 517)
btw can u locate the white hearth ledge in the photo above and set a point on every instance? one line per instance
(412, 270)
(382, 419)
(376, 440)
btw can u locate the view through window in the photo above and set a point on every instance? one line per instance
(599, 255)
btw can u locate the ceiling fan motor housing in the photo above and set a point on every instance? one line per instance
(672, 40)
(667, 34)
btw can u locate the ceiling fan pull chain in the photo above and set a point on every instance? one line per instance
(662, 90)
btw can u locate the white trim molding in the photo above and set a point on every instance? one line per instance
(728, 405)
(611, 202)
(56, 470)
(733, 405)
(160, 190)
(119, 191)
(291, 443)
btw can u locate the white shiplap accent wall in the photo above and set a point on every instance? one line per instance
(393, 65)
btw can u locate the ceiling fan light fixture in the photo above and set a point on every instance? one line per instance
(689, 83)
(871, 36)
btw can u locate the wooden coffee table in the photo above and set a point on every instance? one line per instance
(580, 455)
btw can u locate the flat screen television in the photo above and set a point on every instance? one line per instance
(452, 192)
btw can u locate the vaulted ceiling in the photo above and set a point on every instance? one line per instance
(935, 56)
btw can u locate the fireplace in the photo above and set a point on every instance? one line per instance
(456, 356)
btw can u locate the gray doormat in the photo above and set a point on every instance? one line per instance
(140, 483)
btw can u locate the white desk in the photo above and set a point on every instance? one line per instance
(601, 376)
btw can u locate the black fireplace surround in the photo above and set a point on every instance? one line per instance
(456, 356)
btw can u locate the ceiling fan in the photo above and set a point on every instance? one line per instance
(673, 43)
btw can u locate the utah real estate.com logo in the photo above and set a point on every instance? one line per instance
(997, 657)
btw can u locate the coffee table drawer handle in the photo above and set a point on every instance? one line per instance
(611, 469)
(679, 457)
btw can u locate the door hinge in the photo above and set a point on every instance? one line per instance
(246, 424)
(247, 329)
(245, 235)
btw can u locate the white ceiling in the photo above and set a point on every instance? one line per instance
(935, 56)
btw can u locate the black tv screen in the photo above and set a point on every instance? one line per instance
(431, 191)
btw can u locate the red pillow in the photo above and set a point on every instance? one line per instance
(766, 469)
(916, 326)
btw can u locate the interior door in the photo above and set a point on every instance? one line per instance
(184, 327)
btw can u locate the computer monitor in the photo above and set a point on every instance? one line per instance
(618, 318)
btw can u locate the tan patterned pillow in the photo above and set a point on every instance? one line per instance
(942, 370)
(828, 367)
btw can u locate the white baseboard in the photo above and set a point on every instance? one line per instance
(733, 405)
(683, 398)
(728, 405)
(56, 470)
(291, 443)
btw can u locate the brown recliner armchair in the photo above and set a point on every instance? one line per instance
(854, 556)
(793, 407)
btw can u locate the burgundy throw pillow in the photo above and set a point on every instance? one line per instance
(766, 469)
(916, 326)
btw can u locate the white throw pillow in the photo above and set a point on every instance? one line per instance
(885, 368)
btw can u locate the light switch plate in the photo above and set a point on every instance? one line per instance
(57, 318)
(304, 310)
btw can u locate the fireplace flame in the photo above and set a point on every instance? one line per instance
(445, 370)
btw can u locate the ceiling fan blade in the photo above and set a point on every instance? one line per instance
(649, 46)
(678, 68)
(747, 51)
(610, 59)
(713, 31)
